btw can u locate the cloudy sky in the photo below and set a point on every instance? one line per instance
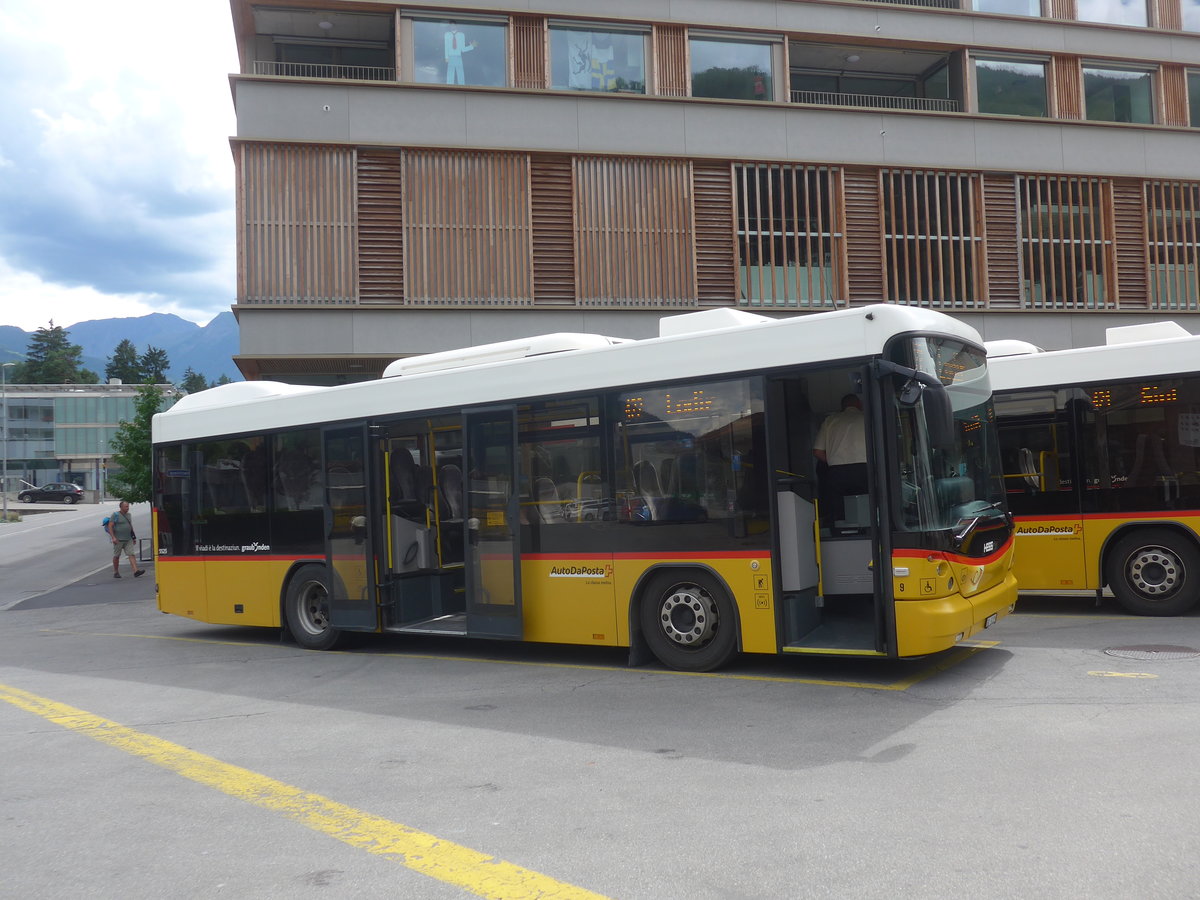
(116, 181)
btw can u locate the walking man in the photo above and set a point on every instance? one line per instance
(120, 529)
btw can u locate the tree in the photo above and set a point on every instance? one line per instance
(193, 382)
(154, 365)
(224, 379)
(51, 358)
(131, 448)
(124, 364)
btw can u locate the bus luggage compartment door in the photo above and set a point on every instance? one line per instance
(492, 525)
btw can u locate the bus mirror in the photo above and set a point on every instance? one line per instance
(939, 417)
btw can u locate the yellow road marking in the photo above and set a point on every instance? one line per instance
(964, 650)
(427, 854)
(1123, 674)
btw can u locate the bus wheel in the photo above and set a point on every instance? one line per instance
(1154, 572)
(688, 621)
(307, 609)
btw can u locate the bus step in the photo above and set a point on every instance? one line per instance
(455, 623)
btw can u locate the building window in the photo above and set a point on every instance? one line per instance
(606, 61)
(1118, 95)
(1193, 91)
(1009, 7)
(1007, 87)
(368, 61)
(789, 235)
(1191, 15)
(735, 70)
(1173, 235)
(930, 239)
(1112, 12)
(460, 52)
(1065, 243)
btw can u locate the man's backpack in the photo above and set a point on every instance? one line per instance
(104, 524)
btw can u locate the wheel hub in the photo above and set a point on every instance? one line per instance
(688, 616)
(314, 609)
(1155, 571)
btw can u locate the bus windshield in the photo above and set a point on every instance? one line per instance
(947, 448)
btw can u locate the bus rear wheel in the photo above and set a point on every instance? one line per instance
(688, 621)
(1154, 572)
(306, 608)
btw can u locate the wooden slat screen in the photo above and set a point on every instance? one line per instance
(1130, 253)
(1173, 226)
(633, 232)
(1174, 95)
(931, 239)
(1066, 242)
(296, 224)
(1003, 243)
(1166, 14)
(553, 231)
(716, 253)
(864, 236)
(789, 235)
(380, 226)
(1067, 87)
(467, 228)
(1060, 9)
(672, 75)
(529, 51)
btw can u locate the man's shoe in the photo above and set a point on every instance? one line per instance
(139, 573)
(116, 574)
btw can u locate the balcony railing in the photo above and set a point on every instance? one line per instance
(874, 101)
(324, 70)
(937, 4)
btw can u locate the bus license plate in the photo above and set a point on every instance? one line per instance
(990, 620)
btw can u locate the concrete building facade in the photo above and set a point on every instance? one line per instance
(414, 178)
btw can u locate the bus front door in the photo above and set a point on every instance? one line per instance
(493, 576)
(347, 540)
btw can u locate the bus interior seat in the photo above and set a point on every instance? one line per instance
(669, 473)
(450, 491)
(405, 488)
(645, 480)
(955, 490)
(546, 499)
(1029, 468)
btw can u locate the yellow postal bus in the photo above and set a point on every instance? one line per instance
(1102, 463)
(659, 494)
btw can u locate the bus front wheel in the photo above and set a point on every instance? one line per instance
(1154, 572)
(306, 608)
(688, 621)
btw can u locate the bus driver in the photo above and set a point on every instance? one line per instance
(842, 445)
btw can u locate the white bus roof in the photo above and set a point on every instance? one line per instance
(706, 344)
(1136, 351)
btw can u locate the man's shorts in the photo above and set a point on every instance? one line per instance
(125, 547)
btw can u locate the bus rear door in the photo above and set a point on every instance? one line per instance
(347, 540)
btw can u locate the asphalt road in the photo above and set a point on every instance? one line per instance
(150, 756)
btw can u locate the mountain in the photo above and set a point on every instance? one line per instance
(206, 349)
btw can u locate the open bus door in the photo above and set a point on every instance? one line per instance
(492, 524)
(347, 529)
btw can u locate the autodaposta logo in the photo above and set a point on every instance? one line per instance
(1048, 530)
(597, 571)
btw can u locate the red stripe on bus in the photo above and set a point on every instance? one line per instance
(220, 557)
(716, 554)
(909, 553)
(1132, 516)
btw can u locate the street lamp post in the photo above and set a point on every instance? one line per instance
(4, 418)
